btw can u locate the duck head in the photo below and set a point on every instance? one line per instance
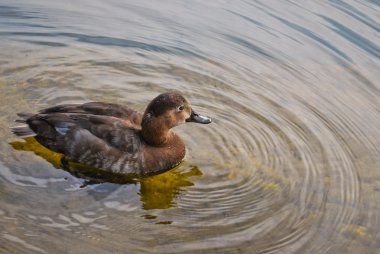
(165, 112)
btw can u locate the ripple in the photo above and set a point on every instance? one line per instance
(21, 180)
(288, 164)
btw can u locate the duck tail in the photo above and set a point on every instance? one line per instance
(23, 117)
(23, 131)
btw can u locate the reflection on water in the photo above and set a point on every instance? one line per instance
(30, 144)
(290, 164)
(156, 192)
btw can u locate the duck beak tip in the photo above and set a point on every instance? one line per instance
(196, 118)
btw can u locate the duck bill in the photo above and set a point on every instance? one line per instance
(196, 118)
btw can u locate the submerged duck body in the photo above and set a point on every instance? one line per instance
(112, 137)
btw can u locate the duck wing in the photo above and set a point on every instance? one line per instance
(99, 141)
(64, 127)
(98, 108)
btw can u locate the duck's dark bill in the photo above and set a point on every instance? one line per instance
(196, 118)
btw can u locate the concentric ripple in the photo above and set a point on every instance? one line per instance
(289, 164)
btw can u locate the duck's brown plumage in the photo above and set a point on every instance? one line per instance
(113, 137)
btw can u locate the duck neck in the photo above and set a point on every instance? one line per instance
(154, 133)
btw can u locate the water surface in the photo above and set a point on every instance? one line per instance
(290, 164)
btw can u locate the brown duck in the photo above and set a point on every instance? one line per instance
(112, 137)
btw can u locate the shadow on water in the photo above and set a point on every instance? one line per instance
(156, 192)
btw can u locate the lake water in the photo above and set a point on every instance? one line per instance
(291, 163)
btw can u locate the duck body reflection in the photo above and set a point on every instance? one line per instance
(156, 192)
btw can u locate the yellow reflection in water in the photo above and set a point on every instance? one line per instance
(156, 192)
(31, 144)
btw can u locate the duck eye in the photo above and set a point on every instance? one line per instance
(180, 108)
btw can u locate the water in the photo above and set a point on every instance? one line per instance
(290, 164)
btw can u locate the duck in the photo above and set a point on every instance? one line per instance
(112, 137)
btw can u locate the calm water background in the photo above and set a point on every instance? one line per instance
(291, 163)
